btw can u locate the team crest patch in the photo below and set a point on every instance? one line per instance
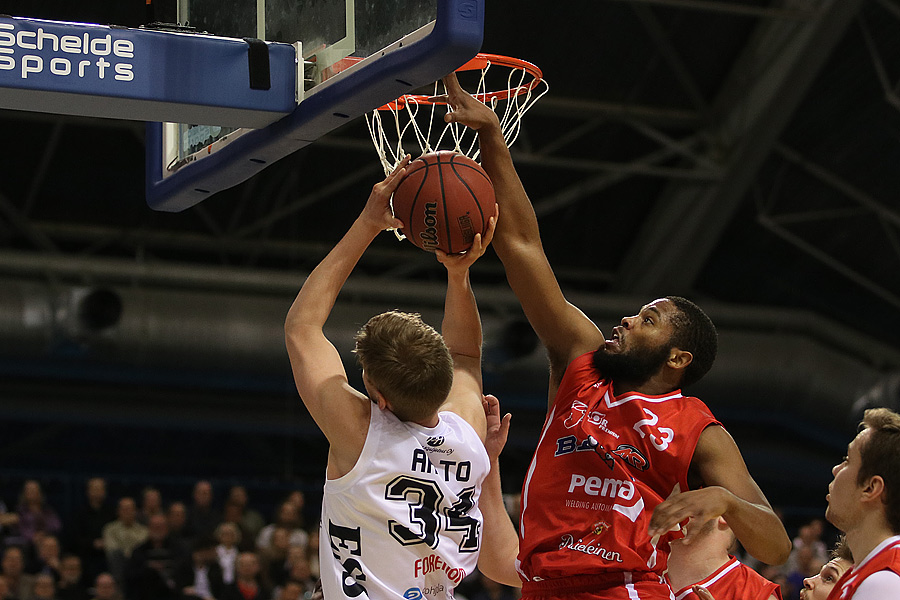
(600, 527)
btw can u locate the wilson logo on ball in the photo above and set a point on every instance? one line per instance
(429, 236)
(444, 200)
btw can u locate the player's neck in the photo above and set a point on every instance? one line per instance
(651, 387)
(865, 537)
(430, 422)
(687, 566)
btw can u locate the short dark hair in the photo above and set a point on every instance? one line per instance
(881, 456)
(694, 333)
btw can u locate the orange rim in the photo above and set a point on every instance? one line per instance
(480, 61)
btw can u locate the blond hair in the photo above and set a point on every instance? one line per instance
(408, 363)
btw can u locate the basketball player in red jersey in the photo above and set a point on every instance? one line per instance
(864, 503)
(624, 456)
(705, 562)
(820, 585)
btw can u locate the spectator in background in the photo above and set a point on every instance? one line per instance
(288, 516)
(86, 528)
(176, 517)
(44, 587)
(201, 577)
(202, 518)
(105, 587)
(70, 585)
(274, 558)
(36, 517)
(229, 537)
(292, 590)
(12, 566)
(150, 572)
(231, 514)
(4, 589)
(251, 521)
(298, 569)
(809, 536)
(312, 552)
(151, 504)
(249, 584)
(805, 564)
(47, 557)
(121, 537)
(298, 498)
(9, 523)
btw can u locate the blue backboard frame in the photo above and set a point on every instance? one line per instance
(455, 37)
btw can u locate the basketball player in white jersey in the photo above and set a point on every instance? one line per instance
(405, 513)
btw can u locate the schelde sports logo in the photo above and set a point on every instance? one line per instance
(435, 441)
(87, 55)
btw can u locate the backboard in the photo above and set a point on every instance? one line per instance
(394, 47)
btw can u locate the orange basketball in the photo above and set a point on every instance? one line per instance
(444, 200)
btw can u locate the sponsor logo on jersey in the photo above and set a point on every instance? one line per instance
(577, 414)
(632, 456)
(625, 497)
(413, 594)
(434, 563)
(591, 547)
(435, 441)
(599, 486)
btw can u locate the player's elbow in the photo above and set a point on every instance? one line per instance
(778, 550)
(784, 551)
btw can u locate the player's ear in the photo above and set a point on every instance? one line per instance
(679, 359)
(873, 488)
(374, 395)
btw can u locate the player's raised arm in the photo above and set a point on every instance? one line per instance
(562, 327)
(318, 370)
(501, 542)
(461, 329)
(729, 491)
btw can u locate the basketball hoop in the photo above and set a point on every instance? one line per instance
(417, 116)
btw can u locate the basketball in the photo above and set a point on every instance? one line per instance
(444, 200)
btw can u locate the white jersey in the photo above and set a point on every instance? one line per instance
(404, 522)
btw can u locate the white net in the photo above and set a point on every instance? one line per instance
(417, 121)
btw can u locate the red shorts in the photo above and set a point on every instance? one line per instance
(608, 586)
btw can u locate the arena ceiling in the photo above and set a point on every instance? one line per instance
(745, 154)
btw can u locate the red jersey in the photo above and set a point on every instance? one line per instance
(886, 559)
(603, 463)
(734, 581)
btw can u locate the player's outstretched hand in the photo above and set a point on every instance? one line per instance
(462, 261)
(466, 109)
(377, 211)
(703, 504)
(497, 428)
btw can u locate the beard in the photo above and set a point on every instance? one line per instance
(636, 366)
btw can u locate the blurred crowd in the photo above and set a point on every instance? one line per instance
(147, 547)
